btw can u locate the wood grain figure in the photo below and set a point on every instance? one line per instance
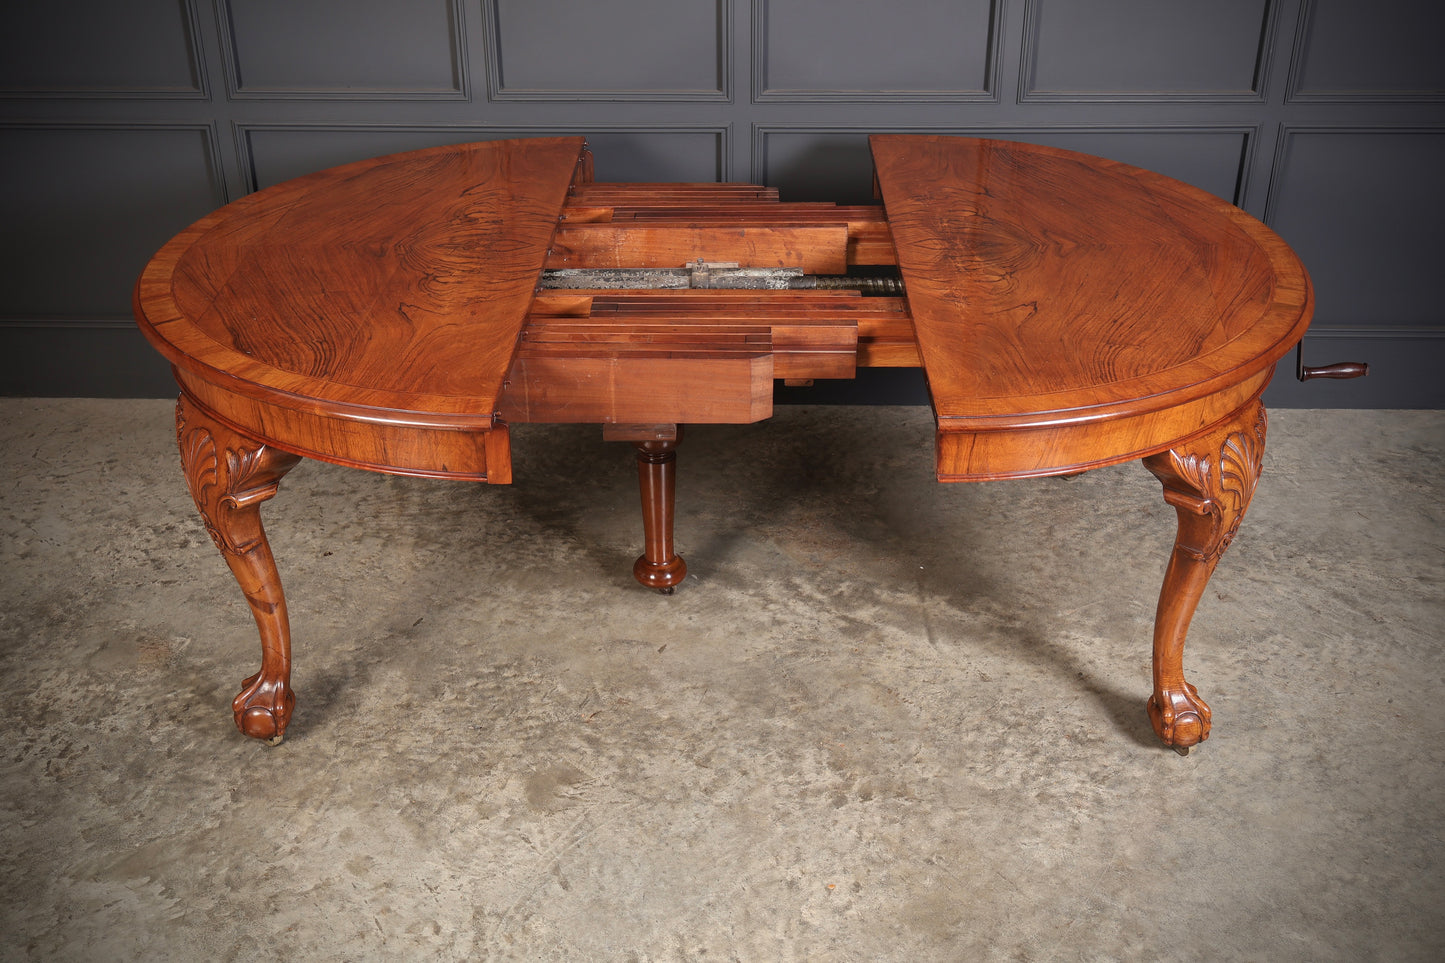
(393, 315)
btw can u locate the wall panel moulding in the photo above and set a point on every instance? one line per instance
(358, 50)
(1380, 188)
(649, 50)
(86, 205)
(833, 163)
(272, 153)
(137, 50)
(1387, 51)
(910, 51)
(1124, 51)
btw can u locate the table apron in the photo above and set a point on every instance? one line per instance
(991, 454)
(468, 454)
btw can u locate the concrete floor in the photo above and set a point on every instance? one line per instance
(884, 719)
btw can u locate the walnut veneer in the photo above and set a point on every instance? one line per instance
(1068, 312)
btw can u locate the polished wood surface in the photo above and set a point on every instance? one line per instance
(659, 566)
(229, 475)
(1068, 312)
(387, 292)
(1072, 311)
(1209, 479)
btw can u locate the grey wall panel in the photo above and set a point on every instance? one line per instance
(1381, 50)
(1325, 116)
(1145, 49)
(86, 206)
(815, 164)
(659, 155)
(278, 153)
(1212, 159)
(1404, 371)
(100, 48)
(834, 164)
(639, 50)
(40, 360)
(1365, 210)
(345, 49)
(908, 50)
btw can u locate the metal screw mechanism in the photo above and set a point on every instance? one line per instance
(882, 284)
(716, 276)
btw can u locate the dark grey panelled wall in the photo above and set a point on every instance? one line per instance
(120, 122)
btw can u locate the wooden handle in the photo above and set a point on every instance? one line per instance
(1344, 369)
(1339, 370)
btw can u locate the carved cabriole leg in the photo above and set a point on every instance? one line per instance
(229, 476)
(1209, 479)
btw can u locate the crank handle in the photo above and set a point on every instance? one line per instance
(1341, 370)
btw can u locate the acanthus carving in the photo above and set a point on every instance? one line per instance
(227, 478)
(1217, 483)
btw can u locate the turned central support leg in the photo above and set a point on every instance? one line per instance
(229, 476)
(1209, 479)
(659, 566)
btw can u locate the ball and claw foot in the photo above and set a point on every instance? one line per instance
(1181, 719)
(263, 709)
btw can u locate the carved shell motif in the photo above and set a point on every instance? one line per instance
(217, 490)
(1220, 486)
(1241, 459)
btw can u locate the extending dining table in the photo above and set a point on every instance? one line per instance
(399, 314)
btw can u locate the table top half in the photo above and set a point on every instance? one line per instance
(1048, 284)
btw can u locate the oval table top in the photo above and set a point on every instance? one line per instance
(1069, 311)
